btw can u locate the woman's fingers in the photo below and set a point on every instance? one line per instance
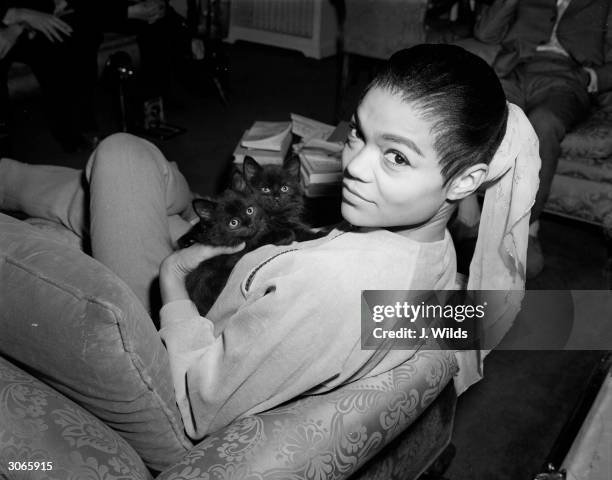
(187, 259)
(208, 251)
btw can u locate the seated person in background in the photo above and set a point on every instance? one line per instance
(430, 129)
(163, 39)
(56, 41)
(554, 54)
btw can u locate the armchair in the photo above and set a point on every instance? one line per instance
(106, 409)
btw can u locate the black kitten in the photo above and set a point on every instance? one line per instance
(228, 220)
(277, 190)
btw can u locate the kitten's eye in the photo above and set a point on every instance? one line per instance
(234, 222)
(265, 189)
(250, 211)
(396, 158)
(284, 188)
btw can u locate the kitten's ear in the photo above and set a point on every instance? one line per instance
(238, 182)
(292, 165)
(204, 207)
(250, 167)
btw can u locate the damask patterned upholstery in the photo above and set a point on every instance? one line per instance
(38, 424)
(582, 187)
(318, 437)
(332, 435)
(397, 422)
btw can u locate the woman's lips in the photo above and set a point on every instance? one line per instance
(353, 195)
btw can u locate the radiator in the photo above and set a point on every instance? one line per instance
(305, 25)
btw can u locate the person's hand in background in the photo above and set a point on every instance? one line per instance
(8, 38)
(149, 11)
(52, 27)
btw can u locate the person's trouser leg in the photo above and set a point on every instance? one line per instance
(550, 131)
(556, 101)
(513, 88)
(133, 190)
(45, 191)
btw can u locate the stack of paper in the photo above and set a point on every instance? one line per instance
(321, 162)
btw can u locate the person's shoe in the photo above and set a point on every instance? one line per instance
(535, 257)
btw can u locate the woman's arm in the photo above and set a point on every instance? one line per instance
(286, 338)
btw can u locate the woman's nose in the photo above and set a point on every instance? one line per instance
(359, 165)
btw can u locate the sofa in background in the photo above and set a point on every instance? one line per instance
(582, 186)
(85, 384)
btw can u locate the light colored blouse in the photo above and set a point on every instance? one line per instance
(288, 323)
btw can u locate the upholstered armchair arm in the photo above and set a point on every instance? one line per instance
(324, 436)
(44, 435)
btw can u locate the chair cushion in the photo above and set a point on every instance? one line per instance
(581, 199)
(593, 169)
(76, 326)
(591, 138)
(55, 435)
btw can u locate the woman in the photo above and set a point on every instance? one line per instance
(287, 322)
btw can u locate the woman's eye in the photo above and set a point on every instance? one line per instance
(265, 189)
(234, 222)
(354, 134)
(284, 188)
(396, 158)
(250, 211)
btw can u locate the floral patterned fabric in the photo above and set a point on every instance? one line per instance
(582, 187)
(38, 424)
(79, 328)
(331, 436)
(592, 138)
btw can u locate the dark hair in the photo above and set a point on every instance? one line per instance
(457, 91)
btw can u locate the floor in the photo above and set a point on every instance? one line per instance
(507, 423)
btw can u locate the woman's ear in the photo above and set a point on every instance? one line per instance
(467, 182)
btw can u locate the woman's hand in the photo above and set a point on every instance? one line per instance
(49, 25)
(177, 265)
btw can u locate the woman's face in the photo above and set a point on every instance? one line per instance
(392, 175)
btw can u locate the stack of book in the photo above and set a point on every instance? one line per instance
(266, 142)
(321, 163)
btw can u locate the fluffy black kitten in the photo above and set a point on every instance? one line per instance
(264, 206)
(228, 220)
(277, 191)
